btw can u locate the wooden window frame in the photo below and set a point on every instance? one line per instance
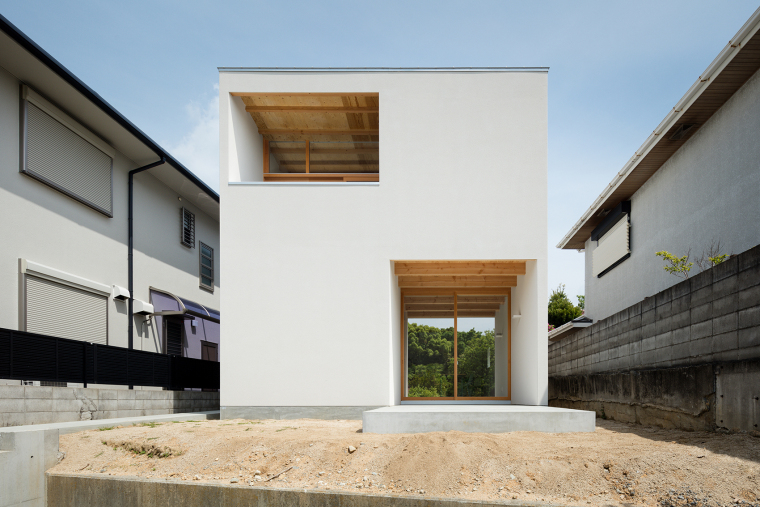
(403, 320)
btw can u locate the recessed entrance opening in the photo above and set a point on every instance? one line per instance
(452, 346)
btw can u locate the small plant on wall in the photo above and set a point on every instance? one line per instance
(711, 256)
(678, 266)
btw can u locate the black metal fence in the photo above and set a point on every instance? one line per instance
(28, 356)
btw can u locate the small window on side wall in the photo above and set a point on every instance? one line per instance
(187, 233)
(206, 266)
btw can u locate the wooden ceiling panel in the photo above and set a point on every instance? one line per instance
(352, 120)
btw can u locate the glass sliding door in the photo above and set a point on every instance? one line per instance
(476, 354)
(430, 346)
(452, 349)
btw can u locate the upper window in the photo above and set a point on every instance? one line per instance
(206, 266)
(60, 152)
(187, 233)
(613, 240)
(330, 137)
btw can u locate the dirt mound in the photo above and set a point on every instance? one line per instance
(617, 464)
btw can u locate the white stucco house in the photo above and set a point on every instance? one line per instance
(94, 247)
(691, 185)
(360, 204)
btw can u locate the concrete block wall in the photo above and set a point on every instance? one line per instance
(23, 405)
(712, 316)
(687, 357)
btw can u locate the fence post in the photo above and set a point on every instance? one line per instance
(11, 354)
(84, 364)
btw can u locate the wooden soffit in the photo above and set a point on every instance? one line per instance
(430, 287)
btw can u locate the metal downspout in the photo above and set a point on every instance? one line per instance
(130, 268)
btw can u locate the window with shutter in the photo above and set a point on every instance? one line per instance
(61, 153)
(55, 309)
(612, 248)
(187, 234)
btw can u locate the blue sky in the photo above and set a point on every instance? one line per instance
(617, 68)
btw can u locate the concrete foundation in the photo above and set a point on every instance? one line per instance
(476, 419)
(26, 452)
(79, 490)
(331, 413)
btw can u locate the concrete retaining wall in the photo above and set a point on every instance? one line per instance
(24, 405)
(26, 452)
(667, 359)
(93, 491)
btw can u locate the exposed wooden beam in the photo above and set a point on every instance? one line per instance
(449, 315)
(310, 109)
(457, 281)
(306, 160)
(459, 267)
(450, 307)
(320, 132)
(517, 268)
(445, 300)
(469, 291)
(266, 156)
(480, 299)
(328, 151)
(328, 162)
(322, 177)
(304, 94)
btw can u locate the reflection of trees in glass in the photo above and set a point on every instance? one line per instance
(431, 362)
(476, 376)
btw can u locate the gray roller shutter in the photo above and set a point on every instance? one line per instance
(55, 309)
(63, 159)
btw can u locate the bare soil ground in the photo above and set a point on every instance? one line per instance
(618, 464)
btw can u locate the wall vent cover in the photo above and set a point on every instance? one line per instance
(187, 234)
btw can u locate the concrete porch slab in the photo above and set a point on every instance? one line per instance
(476, 419)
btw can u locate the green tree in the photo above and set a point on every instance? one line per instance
(561, 309)
(476, 375)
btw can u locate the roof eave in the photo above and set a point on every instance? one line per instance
(734, 46)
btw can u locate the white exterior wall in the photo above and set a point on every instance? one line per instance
(707, 190)
(45, 226)
(311, 308)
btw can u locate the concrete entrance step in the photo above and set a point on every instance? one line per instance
(476, 419)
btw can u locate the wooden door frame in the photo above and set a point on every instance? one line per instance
(404, 376)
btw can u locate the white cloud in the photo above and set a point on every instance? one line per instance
(198, 150)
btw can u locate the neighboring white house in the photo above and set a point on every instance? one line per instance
(693, 183)
(65, 158)
(357, 201)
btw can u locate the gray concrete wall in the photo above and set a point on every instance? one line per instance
(24, 405)
(706, 397)
(78, 490)
(706, 191)
(714, 316)
(662, 360)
